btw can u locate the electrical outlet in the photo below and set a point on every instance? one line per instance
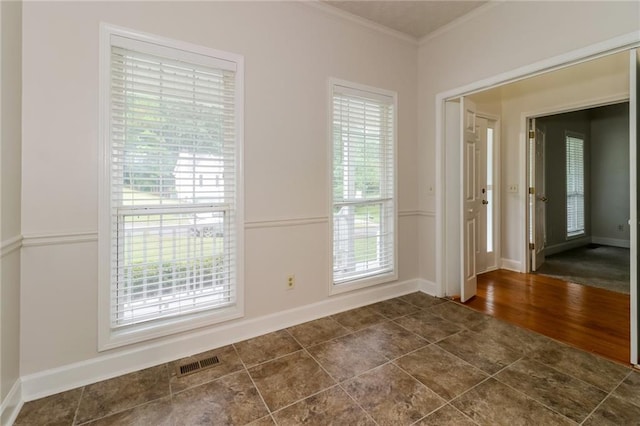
(620, 227)
(291, 282)
(512, 188)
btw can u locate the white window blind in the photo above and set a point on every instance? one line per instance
(575, 186)
(172, 183)
(363, 182)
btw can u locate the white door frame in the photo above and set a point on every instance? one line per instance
(617, 44)
(524, 156)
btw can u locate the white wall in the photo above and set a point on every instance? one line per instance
(610, 174)
(10, 136)
(500, 38)
(290, 51)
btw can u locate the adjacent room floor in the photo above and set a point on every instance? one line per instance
(410, 360)
(594, 265)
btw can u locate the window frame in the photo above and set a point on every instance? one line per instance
(383, 277)
(109, 337)
(575, 135)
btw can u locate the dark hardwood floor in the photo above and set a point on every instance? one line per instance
(588, 318)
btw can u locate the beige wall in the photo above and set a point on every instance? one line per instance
(10, 125)
(290, 51)
(501, 38)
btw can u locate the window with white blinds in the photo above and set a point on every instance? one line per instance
(173, 177)
(575, 185)
(363, 184)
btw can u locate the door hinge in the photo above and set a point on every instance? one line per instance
(532, 246)
(532, 134)
(532, 190)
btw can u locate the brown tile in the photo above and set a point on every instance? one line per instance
(511, 336)
(229, 362)
(232, 399)
(394, 308)
(493, 403)
(391, 396)
(443, 373)
(318, 331)
(429, 326)
(479, 351)
(264, 421)
(289, 379)
(121, 393)
(267, 347)
(359, 318)
(391, 340)
(58, 409)
(446, 416)
(614, 411)
(629, 389)
(331, 407)
(562, 393)
(422, 300)
(592, 369)
(458, 314)
(347, 356)
(157, 413)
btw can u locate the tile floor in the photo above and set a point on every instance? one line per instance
(415, 359)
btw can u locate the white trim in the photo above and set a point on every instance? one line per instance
(279, 223)
(361, 21)
(616, 44)
(38, 240)
(458, 21)
(110, 365)
(12, 404)
(614, 242)
(511, 265)
(566, 245)
(634, 125)
(524, 154)
(11, 245)
(428, 287)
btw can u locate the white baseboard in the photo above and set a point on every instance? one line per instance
(568, 245)
(49, 382)
(615, 242)
(428, 287)
(12, 404)
(511, 265)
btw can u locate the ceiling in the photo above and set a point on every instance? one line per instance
(414, 18)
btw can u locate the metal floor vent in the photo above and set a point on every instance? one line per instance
(195, 366)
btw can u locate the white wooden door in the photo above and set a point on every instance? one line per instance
(634, 132)
(470, 201)
(537, 197)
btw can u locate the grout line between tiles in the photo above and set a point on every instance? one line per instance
(605, 398)
(536, 400)
(75, 414)
(246, 370)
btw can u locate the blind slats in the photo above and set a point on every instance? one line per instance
(575, 185)
(173, 186)
(363, 184)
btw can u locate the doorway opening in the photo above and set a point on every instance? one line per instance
(570, 87)
(579, 196)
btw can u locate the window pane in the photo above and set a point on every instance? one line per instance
(575, 186)
(172, 187)
(363, 185)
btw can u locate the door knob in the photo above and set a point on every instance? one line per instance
(485, 202)
(543, 198)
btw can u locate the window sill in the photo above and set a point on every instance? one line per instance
(110, 339)
(363, 283)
